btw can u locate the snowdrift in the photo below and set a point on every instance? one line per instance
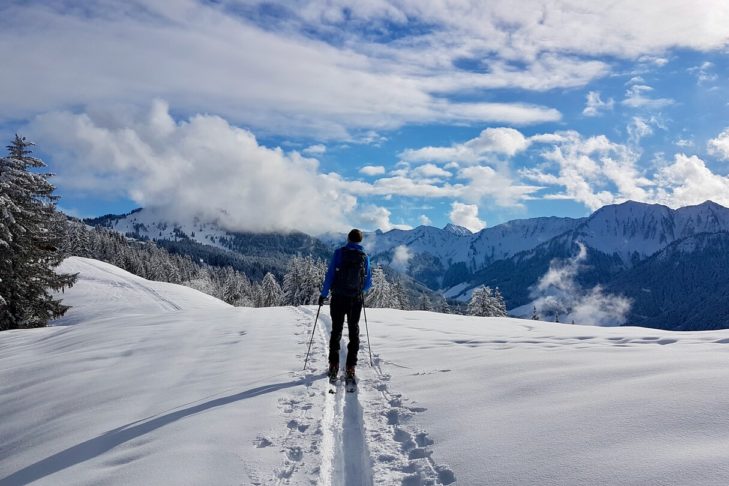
(151, 383)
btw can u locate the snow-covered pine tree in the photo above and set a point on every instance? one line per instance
(499, 305)
(271, 293)
(399, 296)
(482, 302)
(302, 282)
(535, 315)
(380, 295)
(31, 233)
(424, 303)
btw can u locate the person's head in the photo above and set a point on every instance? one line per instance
(355, 236)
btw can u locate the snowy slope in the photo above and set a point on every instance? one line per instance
(202, 393)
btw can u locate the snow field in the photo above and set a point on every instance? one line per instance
(152, 383)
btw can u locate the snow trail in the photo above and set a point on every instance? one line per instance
(344, 452)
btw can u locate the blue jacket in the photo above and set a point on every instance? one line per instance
(334, 263)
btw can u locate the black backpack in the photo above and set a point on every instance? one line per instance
(349, 276)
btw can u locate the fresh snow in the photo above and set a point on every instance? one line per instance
(151, 383)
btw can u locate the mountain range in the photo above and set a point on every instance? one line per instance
(669, 263)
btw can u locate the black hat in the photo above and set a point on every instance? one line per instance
(355, 236)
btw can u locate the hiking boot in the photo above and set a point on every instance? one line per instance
(333, 370)
(350, 372)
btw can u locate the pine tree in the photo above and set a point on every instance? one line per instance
(399, 296)
(535, 316)
(271, 293)
(499, 305)
(424, 303)
(485, 303)
(31, 233)
(380, 295)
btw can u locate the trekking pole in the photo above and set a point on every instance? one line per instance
(369, 346)
(312, 337)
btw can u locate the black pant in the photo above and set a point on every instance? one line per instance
(351, 307)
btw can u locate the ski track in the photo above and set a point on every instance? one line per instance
(364, 438)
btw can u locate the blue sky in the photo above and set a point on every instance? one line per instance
(325, 114)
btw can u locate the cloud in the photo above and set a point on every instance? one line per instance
(293, 83)
(595, 105)
(333, 69)
(637, 129)
(199, 167)
(401, 258)
(372, 170)
(371, 216)
(424, 220)
(491, 141)
(688, 181)
(317, 149)
(429, 171)
(719, 146)
(558, 293)
(703, 73)
(466, 215)
(635, 97)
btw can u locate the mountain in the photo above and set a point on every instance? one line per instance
(628, 248)
(682, 287)
(441, 258)
(253, 253)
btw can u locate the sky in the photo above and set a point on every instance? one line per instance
(324, 115)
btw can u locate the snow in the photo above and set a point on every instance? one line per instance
(150, 383)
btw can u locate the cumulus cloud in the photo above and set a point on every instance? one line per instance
(401, 258)
(719, 146)
(688, 181)
(425, 220)
(371, 216)
(466, 215)
(491, 141)
(558, 293)
(372, 170)
(595, 105)
(317, 149)
(199, 167)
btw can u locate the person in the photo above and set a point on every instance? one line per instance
(348, 277)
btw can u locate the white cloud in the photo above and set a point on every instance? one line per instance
(635, 97)
(704, 73)
(688, 181)
(371, 216)
(202, 166)
(586, 168)
(595, 105)
(401, 258)
(719, 146)
(491, 141)
(595, 171)
(424, 220)
(372, 170)
(317, 149)
(427, 171)
(558, 293)
(298, 82)
(466, 215)
(638, 128)
(291, 83)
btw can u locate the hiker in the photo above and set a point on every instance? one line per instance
(348, 277)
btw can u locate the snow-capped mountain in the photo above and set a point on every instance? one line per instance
(634, 231)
